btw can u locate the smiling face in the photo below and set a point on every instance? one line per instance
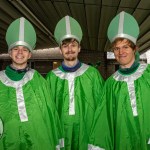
(70, 49)
(20, 56)
(124, 52)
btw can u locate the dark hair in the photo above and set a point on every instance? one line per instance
(131, 44)
(65, 41)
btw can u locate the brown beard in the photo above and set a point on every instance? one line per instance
(70, 59)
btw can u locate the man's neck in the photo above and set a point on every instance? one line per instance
(18, 67)
(131, 69)
(71, 68)
(70, 63)
(128, 65)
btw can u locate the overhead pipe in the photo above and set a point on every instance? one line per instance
(19, 5)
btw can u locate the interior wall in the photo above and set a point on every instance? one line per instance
(45, 65)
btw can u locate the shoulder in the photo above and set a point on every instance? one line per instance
(52, 72)
(93, 71)
(111, 79)
(37, 76)
(2, 72)
(2, 75)
(146, 70)
(88, 68)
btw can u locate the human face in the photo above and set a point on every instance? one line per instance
(124, 54)
(70, 50)
(20, 56)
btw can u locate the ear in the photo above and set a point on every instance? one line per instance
(136, 49)
(9, 52)
(79, 48)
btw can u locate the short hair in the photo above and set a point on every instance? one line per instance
(65, 41)
(131, 44)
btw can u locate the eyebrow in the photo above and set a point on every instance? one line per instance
(122, 46)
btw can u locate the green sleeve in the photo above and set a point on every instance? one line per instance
(52, 112)
(101, 135)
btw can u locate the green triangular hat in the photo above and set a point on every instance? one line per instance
(67, 28)
(123, 25)
(21, 32)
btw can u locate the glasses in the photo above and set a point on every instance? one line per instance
(124, 48)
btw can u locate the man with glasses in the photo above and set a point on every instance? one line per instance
(76, 87)
(122, 121)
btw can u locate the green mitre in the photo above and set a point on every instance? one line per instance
(21, 33)
(123, 25)
(67, 28)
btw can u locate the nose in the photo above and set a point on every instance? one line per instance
(20, 50)
(69, 47)
(121, 51)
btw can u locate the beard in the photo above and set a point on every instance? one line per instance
(70, 56)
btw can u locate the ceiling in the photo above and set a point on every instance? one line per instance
(94, 17)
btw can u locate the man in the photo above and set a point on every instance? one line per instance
(26, 111)
(76, 87)
(122, 122)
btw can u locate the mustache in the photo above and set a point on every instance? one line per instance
(70, 52)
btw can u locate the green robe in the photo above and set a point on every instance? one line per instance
(76, 95)
(28, 116)
(122, 121)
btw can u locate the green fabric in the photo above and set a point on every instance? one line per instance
(128, 71)
(130, 26)
(87, 90)
(123, 25)
(66, 28)
(21, 32)
(42, 130)
(114, 126)
(113, 28)
(14, 75)
(12, 35)
(137, 56)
